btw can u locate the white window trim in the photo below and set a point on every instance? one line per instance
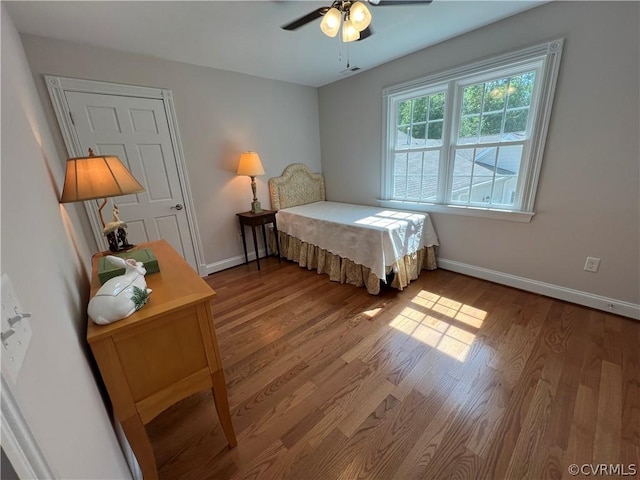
(550, 53)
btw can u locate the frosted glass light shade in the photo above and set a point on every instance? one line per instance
(349, 32)
(250, 165)
(360, 16)
(93, 177)
(330, 24)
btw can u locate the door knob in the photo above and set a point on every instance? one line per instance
(178, 207)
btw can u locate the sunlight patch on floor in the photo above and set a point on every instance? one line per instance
(372, 313)
(452, 335)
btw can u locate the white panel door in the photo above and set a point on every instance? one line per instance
(137, 131)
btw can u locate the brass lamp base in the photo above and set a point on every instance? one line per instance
(256, 207)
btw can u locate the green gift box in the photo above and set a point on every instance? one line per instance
(107, 270)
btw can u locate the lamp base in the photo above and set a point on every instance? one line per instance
(256, 207)
(117, 240)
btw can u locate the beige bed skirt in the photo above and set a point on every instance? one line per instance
(344, 270)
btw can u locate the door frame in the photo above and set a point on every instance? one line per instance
(58, 86)
(17, 440)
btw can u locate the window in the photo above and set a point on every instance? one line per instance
(470, 140)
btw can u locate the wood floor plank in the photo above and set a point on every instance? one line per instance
(453, 377)
(606, 447)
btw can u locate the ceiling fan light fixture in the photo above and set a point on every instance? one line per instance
(330, 24)
(360, 16)
(349, 32)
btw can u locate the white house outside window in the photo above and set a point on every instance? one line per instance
(470, 140)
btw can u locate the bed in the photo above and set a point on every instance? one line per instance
(356, 244)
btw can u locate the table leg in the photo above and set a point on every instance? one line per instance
(275, 232)
(264, 237)
(222, 406)
(244, 244)
(139, 441)
(255, 245)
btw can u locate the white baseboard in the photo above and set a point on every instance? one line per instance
(231, 262)
(598, 302)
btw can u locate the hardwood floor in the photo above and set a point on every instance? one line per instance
(454, 377)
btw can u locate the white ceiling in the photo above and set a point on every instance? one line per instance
(245, 36)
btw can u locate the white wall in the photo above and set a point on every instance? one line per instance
(588, 196)
(47, 260)
(220, 114)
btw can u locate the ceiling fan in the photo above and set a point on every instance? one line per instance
(354, 16)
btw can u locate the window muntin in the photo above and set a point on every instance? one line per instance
(473, 136)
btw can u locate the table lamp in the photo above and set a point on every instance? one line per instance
(250, 165)
(101, 176)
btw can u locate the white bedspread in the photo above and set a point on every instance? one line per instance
(371, 236)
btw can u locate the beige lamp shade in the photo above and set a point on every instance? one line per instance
(349, 32)
(360, 16)
(100, 176)
(250, 165)
(330, 24)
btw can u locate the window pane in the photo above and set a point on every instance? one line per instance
(435, 134)
(431, 163)
(469, 129)
(472, 99)
(417, 135)
(414, 187)
(509, 159)
(481, 190)
(495, 94)
(431, 169)
(400, 164)
(436, 106)
(463, 164)
(429, 188)
(403, 137)
(504, 190)
(415, 163)
(485, 161)
(520, 90)
(515, 123)
(461, 187)
(490, 127)
(404, 113)
(399, 186)
(420, 109)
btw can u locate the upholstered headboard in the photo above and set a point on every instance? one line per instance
(297, 186)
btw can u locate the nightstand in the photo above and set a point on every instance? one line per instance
(254, 220)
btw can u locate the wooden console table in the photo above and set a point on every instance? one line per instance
(164, 352)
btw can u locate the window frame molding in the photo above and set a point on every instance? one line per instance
(549, 55)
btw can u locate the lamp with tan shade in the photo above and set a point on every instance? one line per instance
(250, 165)
(101, 176)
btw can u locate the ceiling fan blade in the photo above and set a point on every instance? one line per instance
(388, 3)
(309, 17)
(366, 33)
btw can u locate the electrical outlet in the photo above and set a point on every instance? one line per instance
(16, 331)
(592, 264)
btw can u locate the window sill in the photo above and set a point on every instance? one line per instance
(509, 215)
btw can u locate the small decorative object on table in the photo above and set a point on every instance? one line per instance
(116, 233)
(107, 270)
(120, 296)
